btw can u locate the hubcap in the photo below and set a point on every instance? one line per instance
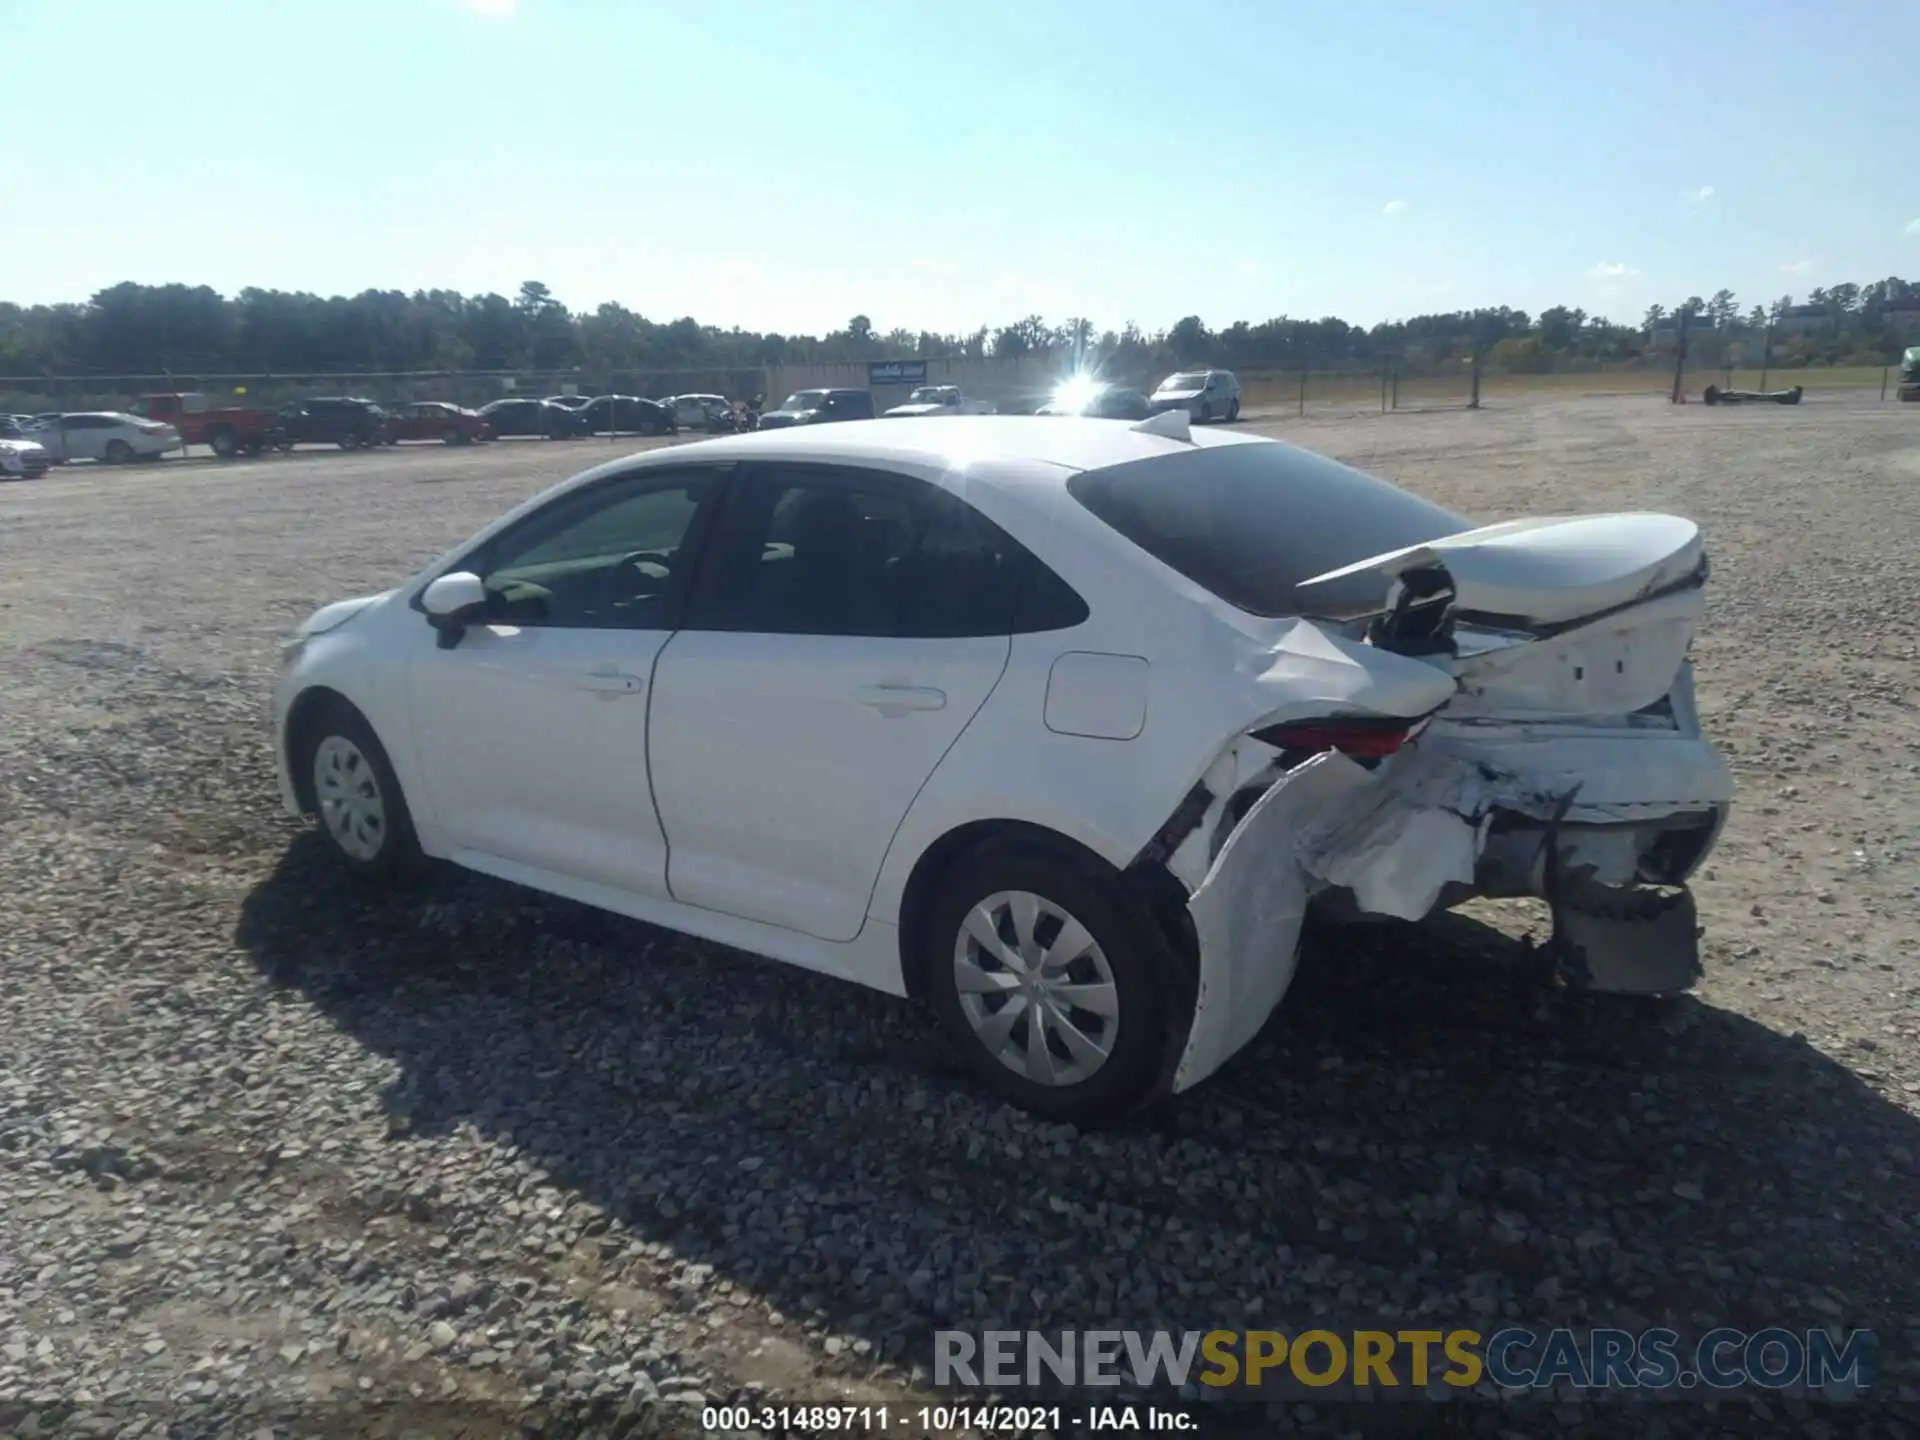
(1036, 988)
(349, 794)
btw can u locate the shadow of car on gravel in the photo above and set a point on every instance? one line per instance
(1424, 1130)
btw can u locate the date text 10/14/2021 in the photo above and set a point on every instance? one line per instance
(941, 1419)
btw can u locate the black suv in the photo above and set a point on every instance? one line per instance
(333, 420)
(819, 407)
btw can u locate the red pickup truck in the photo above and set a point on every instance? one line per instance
(229, 430)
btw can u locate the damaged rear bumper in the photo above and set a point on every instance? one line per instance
(1467, 811)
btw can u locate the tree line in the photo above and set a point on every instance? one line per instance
(131, 329)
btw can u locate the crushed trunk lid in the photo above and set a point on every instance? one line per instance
(1552, 618)
(1552, 570)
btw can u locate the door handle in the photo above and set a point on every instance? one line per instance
(610, 683)
(894, 701)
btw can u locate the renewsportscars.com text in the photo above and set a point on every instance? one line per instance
(1408, 1362)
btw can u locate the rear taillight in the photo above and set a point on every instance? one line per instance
(1359, 736)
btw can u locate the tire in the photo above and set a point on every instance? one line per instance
(451, 436)
(223, 442)
(1206, 414)
(364, 820)
(255, 444)
(118, 452)
(1125, 966)
(348, 442)
(1233, 411)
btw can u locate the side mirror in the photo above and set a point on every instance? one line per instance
(452, 603)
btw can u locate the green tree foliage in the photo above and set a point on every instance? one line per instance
(131, 329)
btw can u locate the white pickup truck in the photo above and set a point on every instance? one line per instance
(940, 400)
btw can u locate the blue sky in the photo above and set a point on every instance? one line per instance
(786, 165)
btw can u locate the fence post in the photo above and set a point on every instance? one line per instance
(1303, 393)
(1883, 380)
(1473, 401)
(1766, 355)
(1383, 385)
(1679, 396)
(1396, 387)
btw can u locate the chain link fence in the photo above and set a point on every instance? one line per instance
(1402, 383)
(31, 395)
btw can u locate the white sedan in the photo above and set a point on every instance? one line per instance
(1059, 725)
(105, 435)
(21, 456)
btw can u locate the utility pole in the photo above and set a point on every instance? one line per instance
(1680, 360)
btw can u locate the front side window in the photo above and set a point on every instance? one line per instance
(1197, 381)
(609, 559)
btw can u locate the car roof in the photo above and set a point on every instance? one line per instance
(1039, 448)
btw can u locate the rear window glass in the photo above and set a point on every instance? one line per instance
(1250, 522)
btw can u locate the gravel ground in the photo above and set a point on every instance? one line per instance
(277, 1153)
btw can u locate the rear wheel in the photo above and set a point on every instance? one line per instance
(1048, 981)
(224, 442)
(118, 452)
(451, 436)
(1233, 411)
(363, 814)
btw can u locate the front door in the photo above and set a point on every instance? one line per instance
(836, 645)
(532, 731)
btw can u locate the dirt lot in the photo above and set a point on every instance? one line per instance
(274, 1150)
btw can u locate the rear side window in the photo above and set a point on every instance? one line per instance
(825, 550)
(1250, 522)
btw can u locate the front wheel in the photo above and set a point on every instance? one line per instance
(224, 443)
(363, 814)
(1049, 983)
(1233, 411)
(118, 452)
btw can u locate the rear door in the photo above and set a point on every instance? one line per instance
(845, 627)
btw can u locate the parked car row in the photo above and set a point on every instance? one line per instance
(155, 425)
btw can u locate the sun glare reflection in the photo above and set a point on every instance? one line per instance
(1076, 392)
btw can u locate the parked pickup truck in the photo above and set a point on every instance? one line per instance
(940, 400)
(228, 430)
